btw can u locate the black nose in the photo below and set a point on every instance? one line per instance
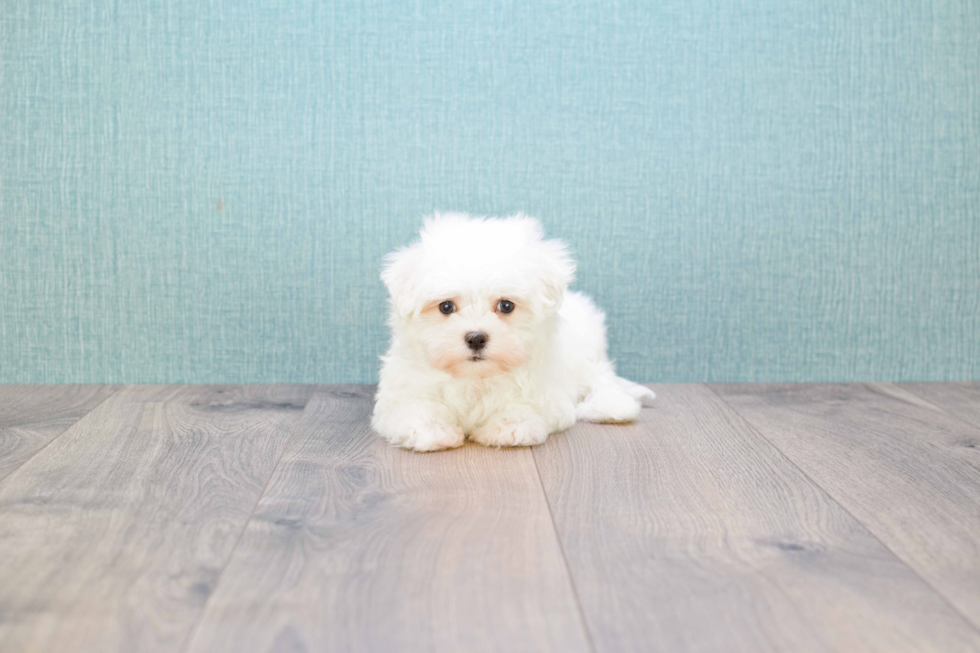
(476, 340)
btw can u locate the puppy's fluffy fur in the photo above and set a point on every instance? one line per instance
(543, 364)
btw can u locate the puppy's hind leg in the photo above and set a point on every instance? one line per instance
(637, 391)
(612, 399)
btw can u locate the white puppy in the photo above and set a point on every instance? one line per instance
(487, 343)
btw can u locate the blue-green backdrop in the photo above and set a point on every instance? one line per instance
(201, 191)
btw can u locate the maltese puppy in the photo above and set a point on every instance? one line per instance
(488, 343)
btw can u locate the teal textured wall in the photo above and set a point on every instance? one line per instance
(201, 191)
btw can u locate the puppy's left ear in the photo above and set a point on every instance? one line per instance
(557, 271)
(398, 276)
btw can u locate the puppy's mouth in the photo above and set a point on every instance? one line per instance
(476, 358)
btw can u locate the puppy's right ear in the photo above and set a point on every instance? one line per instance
(557, 271)
(398, 276)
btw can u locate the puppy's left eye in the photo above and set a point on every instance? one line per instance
(505, 306)
(447, 307)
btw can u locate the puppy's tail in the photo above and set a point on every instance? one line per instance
(613, 399)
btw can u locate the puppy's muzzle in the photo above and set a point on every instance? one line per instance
(476, 340)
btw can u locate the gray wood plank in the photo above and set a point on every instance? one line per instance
(687, 531)
(113, 536)
(31, 416)
(909, 472)
(961, 399)
(360, 546)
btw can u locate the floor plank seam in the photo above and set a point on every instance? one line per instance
(241, 534)
(941, 595)
(937, 407)
(47, 444)
(564, 558)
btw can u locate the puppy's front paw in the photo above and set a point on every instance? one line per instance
(428, 435)
(421, 431)
(522, 431)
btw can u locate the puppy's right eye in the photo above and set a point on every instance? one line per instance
(447, 307)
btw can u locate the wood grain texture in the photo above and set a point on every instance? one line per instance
(959, 399)
(112, 537)
(31, 416)
(687, 531)
(909, 472)
(359, 546)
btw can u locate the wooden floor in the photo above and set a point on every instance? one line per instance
(270, 518)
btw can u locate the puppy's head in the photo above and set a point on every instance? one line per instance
(475, 294)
